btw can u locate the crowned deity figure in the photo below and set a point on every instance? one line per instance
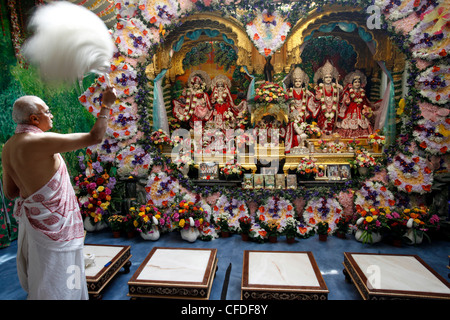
(328, 95)
(355, 109)
(225, 111)
(194, 104)
(300, 110)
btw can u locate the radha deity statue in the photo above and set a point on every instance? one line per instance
(355, 110)
(328, 94)
(225, 111)
(300, 110)
(194, 104)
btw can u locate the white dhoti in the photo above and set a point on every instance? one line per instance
(50, 260)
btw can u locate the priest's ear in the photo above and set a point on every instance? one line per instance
(34, 119)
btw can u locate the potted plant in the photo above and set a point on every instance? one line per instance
(322, 230)
(222, 223)
(272, 227)
(342, 226)
(290, 230)
(128, 225)
(116, 224)
(396, 223)
(362, 162)
(245, 224)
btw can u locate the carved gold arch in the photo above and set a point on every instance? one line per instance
(385, 50)
(165, 58)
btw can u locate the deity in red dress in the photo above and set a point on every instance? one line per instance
(194, 104)
(300, 110)
(355, 110)
(225, 111)
(328, 95)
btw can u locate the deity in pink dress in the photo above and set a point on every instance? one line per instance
(355, 110)
(328, 95)
(300, 110)
(225, 111)
(195, 104)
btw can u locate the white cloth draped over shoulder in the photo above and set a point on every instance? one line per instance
(50, 259)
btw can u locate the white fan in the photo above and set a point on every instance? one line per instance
(68, 42)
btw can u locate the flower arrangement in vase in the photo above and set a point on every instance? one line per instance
(291, 229)
(363, 161)
(370, 225)
(307, 169)
(396, 224)
(188, 217)
(377, 141)
(159, 137)
(148, 221)
(94, 187)
(270, 92)
(232, 170)
(419, 221)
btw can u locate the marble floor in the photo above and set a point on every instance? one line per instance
(328, 256)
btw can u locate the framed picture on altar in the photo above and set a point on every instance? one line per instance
(280, 181)
(258, 181)
(291, 181)
(269, 181)
(247, 182)
(345, 172)
(333, 172)
(208, 171)
(322, 172)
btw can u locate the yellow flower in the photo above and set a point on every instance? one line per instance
(132, 209)
(135, 223)
(181, 223)
(141, 213)
(157, 216)
(146, 219)
(369, 219)
(100, 189)
(200, 220)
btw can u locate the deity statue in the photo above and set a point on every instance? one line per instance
(328, 94)
(225, 111)
(300, 110)
(194, 104)
(268, 70)
(355, 110)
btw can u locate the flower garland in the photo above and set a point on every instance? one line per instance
(395, 10)
(410, 174)
(322, 210)
(230, 210)
(161, 189)
(106, 151)
(132, 38)
(276, 208)
(161, 12)
(123, 122)
(433, 83)
(373, 193)
(433, 136)
(270, 92)
(133, 160)
(329, 113)
(268, 31)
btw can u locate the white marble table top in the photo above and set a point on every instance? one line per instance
(397, 272)
(281, 269)
(181, 265)
(103, 255)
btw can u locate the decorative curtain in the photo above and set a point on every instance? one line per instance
(159, 109)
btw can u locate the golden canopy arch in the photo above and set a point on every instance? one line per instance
(166, 58)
